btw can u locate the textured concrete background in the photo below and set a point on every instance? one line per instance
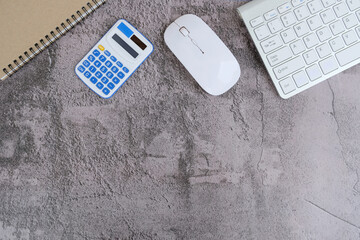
(164, 160)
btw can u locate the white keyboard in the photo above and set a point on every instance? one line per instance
(304, 42)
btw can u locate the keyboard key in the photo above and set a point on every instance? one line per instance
(289, 67)
(311, 40)
(91, 58)
(297, 2)
(341, 10)
(288, 19)
(337, 27)
(302, 29)
(114, 69)
(96, 53)
(315, 6)
(108, 64)
(314, 22)
(349, 55)
(301, 79)
(102, 58)
(328, 3)
(279, 56)
(107, 53)
(336, 44)
(324, 34)
(87, 74)
(350, 21)
(327, 16)
(92, 69)
(350, 37)
(275, 26)
(262, 32)
(106, 91)
(323, 50)
(288, 85)
(104, 80)
(93, 80)
(288, 35)
(314, 72)
(270, 15)
(121, 75)
(103, 69)
(353, 4)
(81, 69)
(98, 74)
(119, 64)
(113, 58)
(125, 70)
(86, 63)
(283, 8)
(97, 64)
(297, 47)
(110, 75)
(270, 44)
(329, 65)
(256, 21)
(302, 13)
(358, 15)
(310, 57)
(99, 85)
(111, 86)
(358, 31)
(116, 80)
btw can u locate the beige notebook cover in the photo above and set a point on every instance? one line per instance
(28, 26)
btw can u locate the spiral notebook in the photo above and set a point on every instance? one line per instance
(27, 27)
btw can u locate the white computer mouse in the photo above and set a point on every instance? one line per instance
(203, 54)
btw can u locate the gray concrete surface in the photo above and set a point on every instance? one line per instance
(164, 160)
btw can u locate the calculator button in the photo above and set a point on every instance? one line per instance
(116, 80)
(93, 80)
(101, 47)
(97, 63)
(91, 58)
(98, 74)
(121, 75)
(111, 86)
(113, 58)
(81, 69)
(99, 85)
(86, 63)
(92, 69)
(110, 75)
(106, 91)
(102, 58)
(107, 53)
(108, 64)
(126, 70)
(96, 53)
(114, 69)
(105, 80)
(87, 74)
(103, 69)
(119, 64)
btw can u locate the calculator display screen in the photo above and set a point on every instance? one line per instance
(125, 46)
(138, 42)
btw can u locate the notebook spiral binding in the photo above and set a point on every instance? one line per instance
(43, 44)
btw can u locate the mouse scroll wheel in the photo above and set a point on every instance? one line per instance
(184, 31)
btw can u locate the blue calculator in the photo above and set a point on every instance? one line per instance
(114, 59)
